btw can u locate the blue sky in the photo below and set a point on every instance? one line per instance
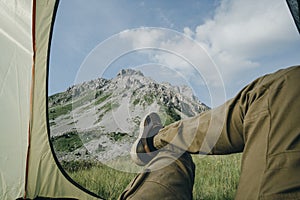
(214, 46)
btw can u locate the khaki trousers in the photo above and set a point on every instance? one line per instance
(262, 121)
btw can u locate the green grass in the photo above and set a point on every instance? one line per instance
(78, 165)
(149, 98)
(67, 142)
(102, 98)
(136, 102)
(216, 178)
(117, 136)
(109, 106)
(82, 100)
(170, 116)
(104, 181)
(59, 110)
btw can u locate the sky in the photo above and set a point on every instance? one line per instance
(214, 46)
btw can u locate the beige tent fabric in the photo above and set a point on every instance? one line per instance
(22, 84)
(44, 177)
(15, 77)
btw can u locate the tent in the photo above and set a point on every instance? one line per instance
(28, 167)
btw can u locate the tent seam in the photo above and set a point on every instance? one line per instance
(31, 96)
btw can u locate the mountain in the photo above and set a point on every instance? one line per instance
(100, 118)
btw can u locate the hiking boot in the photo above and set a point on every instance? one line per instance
(143, 150)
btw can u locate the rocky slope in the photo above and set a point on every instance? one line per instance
(100, 118)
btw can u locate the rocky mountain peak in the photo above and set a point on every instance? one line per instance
(105, 113)
(129, 72)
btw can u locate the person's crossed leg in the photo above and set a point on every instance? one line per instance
(169, 173)
(262, 121)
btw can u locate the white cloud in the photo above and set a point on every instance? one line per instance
(170, 48)
(188, 32)
(241, 32)
(236, 37)
(143, 37)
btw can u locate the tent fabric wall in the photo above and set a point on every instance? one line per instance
(15, 78)
(28, 169)
(44, 177)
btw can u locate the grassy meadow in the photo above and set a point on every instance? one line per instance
(216, 177)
